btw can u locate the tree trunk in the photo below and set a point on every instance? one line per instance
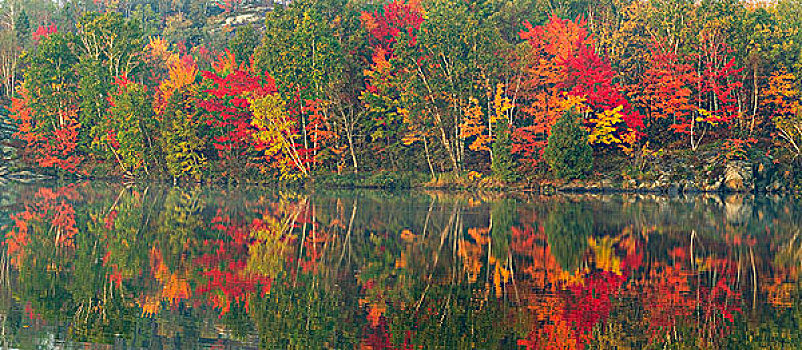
(428, 157)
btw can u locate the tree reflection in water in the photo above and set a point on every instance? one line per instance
(153, 267)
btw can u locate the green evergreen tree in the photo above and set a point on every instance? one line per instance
(568, 153)
(503, 165)
(244, 43)
(22, 27)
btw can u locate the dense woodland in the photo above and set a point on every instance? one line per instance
(491, 89)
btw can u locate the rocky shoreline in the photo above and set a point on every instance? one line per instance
(673, 178)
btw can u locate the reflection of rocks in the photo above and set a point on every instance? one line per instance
(736, 209)
(711, 199)
(738, 176)
(25, 176)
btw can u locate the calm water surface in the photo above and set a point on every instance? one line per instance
(106, 267)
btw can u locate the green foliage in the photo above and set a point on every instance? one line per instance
(439, 67)
(180, 29)
(180, 140)
(244, 43)
(94, 89)
(51, 77)
(568, 153)
(299, 50)
(22, 26)
(112, 40)
(148, 19)
(568, 227)
(130, 129)
(504, 165)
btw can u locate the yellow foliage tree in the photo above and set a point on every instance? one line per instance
(605, 125)
(181, 73)
(277, 136)
(473, 125)
(782, 97)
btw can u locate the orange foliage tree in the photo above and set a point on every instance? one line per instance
(562, 70)
(47, 145)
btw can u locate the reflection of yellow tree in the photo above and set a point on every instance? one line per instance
(787, 262)
(172, 286)
(604, 254)
(474, 251)
(272, 237)
(273, 232)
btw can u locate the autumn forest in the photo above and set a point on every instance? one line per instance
(434, 91)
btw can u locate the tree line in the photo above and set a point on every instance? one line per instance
(497, 88)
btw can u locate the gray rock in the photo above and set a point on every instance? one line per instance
(775, 186)
(630, 184)
(714, 186)
(738, 176)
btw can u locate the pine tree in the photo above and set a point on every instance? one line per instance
(503, 165)
(568, 153)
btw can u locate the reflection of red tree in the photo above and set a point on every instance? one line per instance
(377, 332)
(224, 268)
(172, 286)
(571, 303)
(49, 207)
(590, 302)
(670, 302)
(539, 265)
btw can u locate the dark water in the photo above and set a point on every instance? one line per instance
(101, 266)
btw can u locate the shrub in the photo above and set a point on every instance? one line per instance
(503, 166)
(568, 153)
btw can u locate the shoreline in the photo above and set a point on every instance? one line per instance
(536, 186)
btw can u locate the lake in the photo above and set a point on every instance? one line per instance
(102, 266)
